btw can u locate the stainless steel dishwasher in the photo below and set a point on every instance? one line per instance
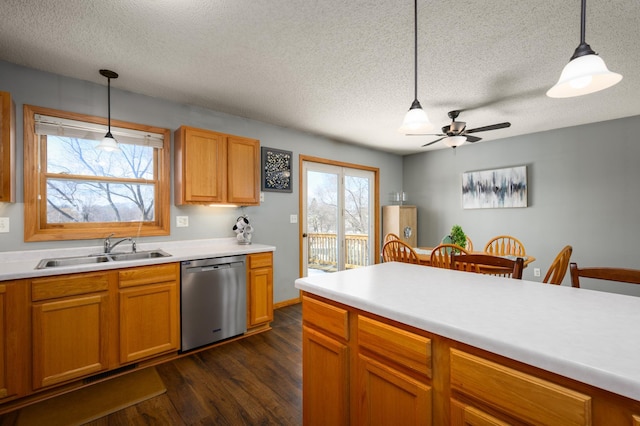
(213, 300)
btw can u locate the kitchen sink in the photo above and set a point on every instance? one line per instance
(151, 254)
(100, 258)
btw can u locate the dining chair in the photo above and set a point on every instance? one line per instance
(624, 275)
(441, 255)
(559, 266)
(398, 251)
(488, 264)
(390, 236)
(505, 245)
(469, 246)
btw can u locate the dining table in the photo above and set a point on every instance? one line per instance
(424, 256)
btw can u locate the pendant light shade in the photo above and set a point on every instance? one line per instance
(416, 121)
(108, 143)
(454, 141)
(586, 72)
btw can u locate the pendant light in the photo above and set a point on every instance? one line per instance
(108, 143)
(416, 121)
(586, 72)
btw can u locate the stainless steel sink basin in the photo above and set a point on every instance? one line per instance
(100, 258)
(151, 254)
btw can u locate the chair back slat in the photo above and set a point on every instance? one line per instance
(503, 245)
(441, 255)
(489, 264)
(631, 276)
(559, 266)
(398, 251)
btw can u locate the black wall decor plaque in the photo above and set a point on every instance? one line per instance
(276, 170)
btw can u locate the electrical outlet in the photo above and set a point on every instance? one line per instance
(293, 218)
(4, 224)
(182, 221)
(536, 272)
(262, 197)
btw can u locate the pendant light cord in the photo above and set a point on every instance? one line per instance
(583, 21)
(415, 43)
(583, 48)
(109, 104)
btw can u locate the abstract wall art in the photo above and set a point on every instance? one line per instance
(496, 188)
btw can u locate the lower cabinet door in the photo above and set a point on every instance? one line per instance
(325, 384)
(466, 415)
(70, 338)
(148, 321)
(260, 297)
(389, 397)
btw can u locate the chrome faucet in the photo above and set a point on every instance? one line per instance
(108, 246)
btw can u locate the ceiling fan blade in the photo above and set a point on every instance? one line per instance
(431, 143)
(491, 127)
(472, 139)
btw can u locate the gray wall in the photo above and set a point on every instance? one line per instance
(583, 190)
(270, 220)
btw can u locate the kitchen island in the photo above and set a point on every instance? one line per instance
(452, 347)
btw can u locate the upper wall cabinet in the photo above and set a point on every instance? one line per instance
(7, 149)
(216, 168)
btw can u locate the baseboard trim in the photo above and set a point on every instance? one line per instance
(285, 303)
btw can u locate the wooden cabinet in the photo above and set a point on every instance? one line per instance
(7, 149)
(394, 369)
(380, 374)
(215, 168)
(392, 373)
(70, 326)
(325, 364)
(14, 320)
(513, 394)
(402, 221)
(259, 289)
(149, 311)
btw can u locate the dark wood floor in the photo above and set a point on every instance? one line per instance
(252, 381)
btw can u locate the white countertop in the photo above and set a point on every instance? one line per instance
(586, 335)
(22, 264)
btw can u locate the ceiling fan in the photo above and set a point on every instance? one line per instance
(456, 133)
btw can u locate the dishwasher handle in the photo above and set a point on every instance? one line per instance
(219, 266)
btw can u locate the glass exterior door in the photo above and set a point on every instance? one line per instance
(337, 218)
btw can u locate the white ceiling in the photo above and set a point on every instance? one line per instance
(342, 69)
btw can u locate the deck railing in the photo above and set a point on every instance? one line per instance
(322, 250)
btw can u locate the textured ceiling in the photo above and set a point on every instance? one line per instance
(342, 69)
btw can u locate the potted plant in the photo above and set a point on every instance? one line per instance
(458, 236)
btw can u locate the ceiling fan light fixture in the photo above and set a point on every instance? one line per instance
(586, 72)
(416, 121)
(454, 141)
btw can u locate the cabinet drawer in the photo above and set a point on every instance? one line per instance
(149, 275)
(260, 260)
(68, 285)
(328, 318)
(401, 346)
(524, 396)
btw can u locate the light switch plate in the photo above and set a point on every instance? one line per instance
(182, 221)
(4, 224)
(293, 218)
